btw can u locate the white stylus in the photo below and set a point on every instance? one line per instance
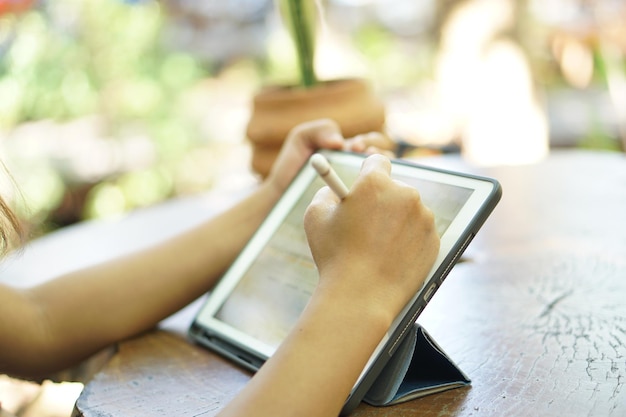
(328, 174)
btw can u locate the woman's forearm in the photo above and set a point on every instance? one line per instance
(314, 369)
(56, 324)
(128, 295)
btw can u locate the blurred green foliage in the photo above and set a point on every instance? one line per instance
(70, 59)
(74, 58)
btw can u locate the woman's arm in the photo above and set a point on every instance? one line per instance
(56, 324)
(373, 251)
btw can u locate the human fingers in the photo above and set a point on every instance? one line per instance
(318, 223)
(361, 143)
(319, 133)
(373, 149)
(324, 197)
(382, 227)
(300, 144)
(376, 163)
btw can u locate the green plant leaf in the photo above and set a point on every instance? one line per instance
(300, 19)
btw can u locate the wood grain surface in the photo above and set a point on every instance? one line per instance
(535, 313)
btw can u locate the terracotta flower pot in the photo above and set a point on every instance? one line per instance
(276, 110)
(15, 6)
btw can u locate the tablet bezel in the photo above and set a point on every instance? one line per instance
(252, 353)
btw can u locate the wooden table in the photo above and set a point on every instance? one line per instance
(535, 315)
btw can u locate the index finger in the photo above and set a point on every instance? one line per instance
(376, 163)
(320, 133)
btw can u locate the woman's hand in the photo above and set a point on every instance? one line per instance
(373, 250)
(306, 138)
(377, 245)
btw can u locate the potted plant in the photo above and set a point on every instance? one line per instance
(277, 109)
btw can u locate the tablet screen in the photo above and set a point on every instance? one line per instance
(273, 291)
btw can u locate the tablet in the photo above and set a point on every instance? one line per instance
(262, 294)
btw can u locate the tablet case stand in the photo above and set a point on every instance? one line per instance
(419, 367)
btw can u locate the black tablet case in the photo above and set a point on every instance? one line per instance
(419, 367)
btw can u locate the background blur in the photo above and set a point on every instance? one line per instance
(110, 105)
